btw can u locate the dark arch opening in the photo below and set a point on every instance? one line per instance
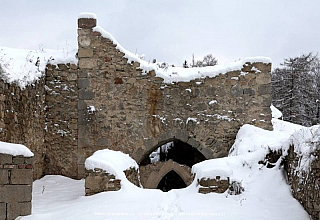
(177, 151)
(170, 181)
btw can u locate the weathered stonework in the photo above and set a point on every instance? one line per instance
(106, 102)
(305, 186)
(61, 120)
(99, 180)
(15, 186)
(22, 119)
(135, 112)
(216, 185)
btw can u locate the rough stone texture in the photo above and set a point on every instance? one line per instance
(305, 186)
(61, 118)
(99, 181)
(133, 176)
(15, 186)
(136, 112)
(216, 185)
(106, 102)
(22, 119)
(151, 174)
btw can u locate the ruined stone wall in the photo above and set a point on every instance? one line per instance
(305, 186)
(61, 120)
(15, 186)
(134, 112)
(99, 180)
(22, 119)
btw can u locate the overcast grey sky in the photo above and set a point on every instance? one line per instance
(170, 30)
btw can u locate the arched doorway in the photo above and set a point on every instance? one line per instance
(171, 180)
(168, 166)
(176, 150)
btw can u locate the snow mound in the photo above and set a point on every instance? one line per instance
(212, 168)
(113, 162)
(180, 74)
(15, 149)
(24, 67)
(276, 113)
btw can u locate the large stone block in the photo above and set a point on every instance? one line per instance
(85, 53)
(5, 159)
(87, 63)
(3, 211)
(4, 176)
(21, 176)
(87, 22)
(15, 209)
(15, 193)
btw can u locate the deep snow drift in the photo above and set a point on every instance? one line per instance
(266, 194)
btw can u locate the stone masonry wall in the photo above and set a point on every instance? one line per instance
(134, 112)
(216, 185)
(15, 186)
(22, 119)
(99, 180)
(61, 120)
(305, 186)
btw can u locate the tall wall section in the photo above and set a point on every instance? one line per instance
(22, 119)
(122, 109)
(61, 120)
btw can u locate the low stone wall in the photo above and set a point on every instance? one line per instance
(216, 185)
(305, 186)
(99, 180)
(15, 186)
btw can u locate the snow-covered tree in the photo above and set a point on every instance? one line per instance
(295, 90)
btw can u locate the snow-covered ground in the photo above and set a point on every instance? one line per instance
(266, 194)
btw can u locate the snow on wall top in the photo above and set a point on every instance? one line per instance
(24, 67)
(87, 15)
(180, 74)
(113, 162)
(14, 149)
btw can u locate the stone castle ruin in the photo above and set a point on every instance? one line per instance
(108, 100)
(111, 99)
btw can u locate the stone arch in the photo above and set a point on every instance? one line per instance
(153, 143)
(165, 167)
